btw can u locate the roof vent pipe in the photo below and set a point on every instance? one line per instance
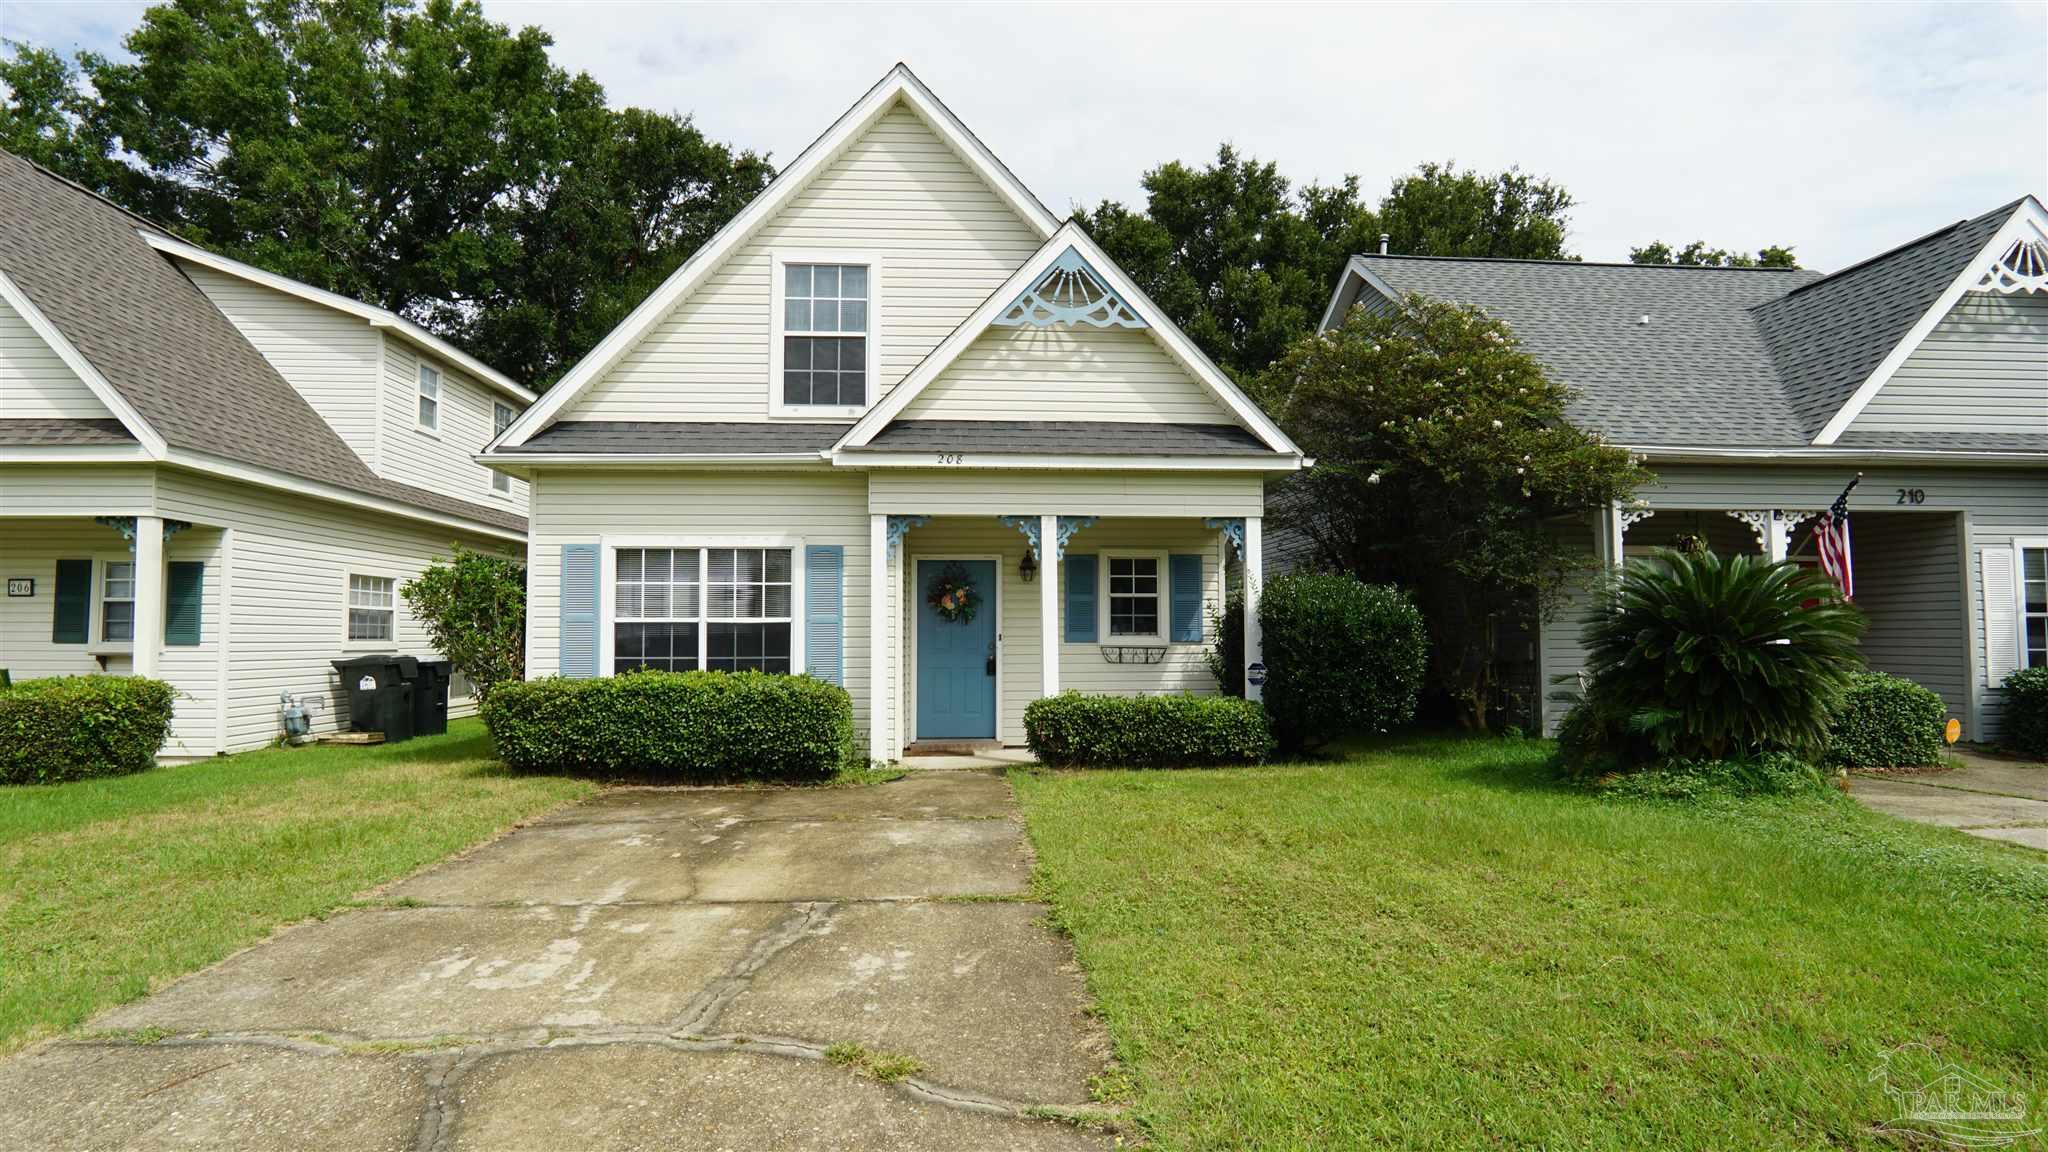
(1383, 243)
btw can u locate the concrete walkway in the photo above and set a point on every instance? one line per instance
(705, 968)
(1992, 797)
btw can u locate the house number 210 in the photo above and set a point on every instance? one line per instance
(950, 457)
(1912, 496)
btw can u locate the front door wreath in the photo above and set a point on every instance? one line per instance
(952, 594)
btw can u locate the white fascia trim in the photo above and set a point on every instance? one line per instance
(1163, 330)
(1837, 455)
(264, 477)
(74, 454)
(2028, 218)
(990, 461)
(369, 313)
(100, 387)
(898, 84)
(1354, 268)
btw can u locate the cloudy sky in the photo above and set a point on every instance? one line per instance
(1840, 129)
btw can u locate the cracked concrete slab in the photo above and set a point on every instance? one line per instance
(606, 862)
(453, 971)
(868, 860)
(983, 994)
(1949, 807)
(926, 796)
(641, 1096)
(155, 1098)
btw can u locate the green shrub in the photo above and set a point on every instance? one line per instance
(1769, 774)
(1341, 656)
(1697, 657)
(684, 726)
(1887, 721)
(1071, 729)
(2026, 711)
(1225, 658)
(77, 727)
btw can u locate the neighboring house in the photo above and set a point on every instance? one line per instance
(895, 363)
(218, 476)
(1757, 395)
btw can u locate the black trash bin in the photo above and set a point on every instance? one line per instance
(430, 698)
(379, 694)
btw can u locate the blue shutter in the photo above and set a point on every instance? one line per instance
(72, 623)
(184, 592)
(579, 610)
(1185, 587)
(825, 612)
(1078, 573)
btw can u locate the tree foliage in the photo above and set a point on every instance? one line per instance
(1698, 254)
(1445, 464)
(474, 609)
(415, 155)
(1244, 262)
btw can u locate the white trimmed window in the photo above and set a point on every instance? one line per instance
(372, 607)
(682, 609)
(2033, 606)
(117, 600)
(1134, 596)
(501, 419)
(824, 357)
(430, 398)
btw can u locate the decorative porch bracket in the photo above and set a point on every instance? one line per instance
(1758, 522)
(125, 525)
(898, 525)
(1028, 525)
(1068, 526)
(1630, 517)
(1232, 528)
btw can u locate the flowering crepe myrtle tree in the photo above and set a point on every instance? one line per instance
(1444, 464)
(474, 609)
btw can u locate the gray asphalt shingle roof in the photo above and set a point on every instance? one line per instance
(677, 438)
(1070, 437)
(1728, 357)
(40, 432)
(166, 349)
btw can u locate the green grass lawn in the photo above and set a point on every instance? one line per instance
(109, 887)
(1435, 945)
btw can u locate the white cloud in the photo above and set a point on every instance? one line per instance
(1841, 129)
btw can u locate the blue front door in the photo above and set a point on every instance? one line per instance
(956, 672)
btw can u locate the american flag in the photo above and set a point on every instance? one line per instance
(1831, 540)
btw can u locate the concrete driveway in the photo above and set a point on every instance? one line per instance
(1997, 799)
(704, 968)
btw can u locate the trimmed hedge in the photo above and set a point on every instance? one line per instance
(2026, 711)
(1342, 656)
(1073, 730)
(1887, 721)
(79, 727)
(687, 726)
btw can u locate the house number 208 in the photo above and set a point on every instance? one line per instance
(1912, 496)
(950, 457)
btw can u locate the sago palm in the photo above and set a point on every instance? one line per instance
(1705, 656)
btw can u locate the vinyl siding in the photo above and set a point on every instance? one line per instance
(88, 490)
(440, 461)
(1559, 656)
(1984, 368)
(587, 506)
(329, 357)
(34, 382)
(1082, 666)
(945, 238)
(288, 575)
(1909, 583)
(1996, 504)
(943, 492)
(1077, 373)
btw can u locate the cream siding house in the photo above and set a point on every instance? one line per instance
(894, 372)
(1757, 395)
(217, 476)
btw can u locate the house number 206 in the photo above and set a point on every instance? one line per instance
(1912, 496)
(950, 457)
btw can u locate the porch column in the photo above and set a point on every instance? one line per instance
(878, 639)
(1254, 575)
(1777, 536)
(1049, 604)
(149, 593)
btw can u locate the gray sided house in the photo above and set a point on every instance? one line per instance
(1756, 395)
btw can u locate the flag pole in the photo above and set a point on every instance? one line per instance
(1841, 501)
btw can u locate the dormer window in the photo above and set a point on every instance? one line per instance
(824, 357)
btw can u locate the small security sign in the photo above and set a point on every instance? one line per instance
(1255, 673)
(367, 684)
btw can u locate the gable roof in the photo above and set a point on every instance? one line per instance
(1171, 339)
(900, 85)
(1665, 356)
(180, 375)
